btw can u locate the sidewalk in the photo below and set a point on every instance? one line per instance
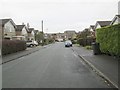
(16, 55)
(107, 66)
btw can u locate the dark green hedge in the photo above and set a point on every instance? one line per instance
(86, 42)
(108, 37)
(12, 46)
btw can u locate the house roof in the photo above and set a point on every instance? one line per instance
(72, 31)
(104, 23)
(4, 21)
(30, 30)
(86, 29)
(116, 16)
(20, 27)
(92, 27)
(36, 31)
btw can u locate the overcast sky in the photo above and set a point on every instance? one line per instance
(59, 15)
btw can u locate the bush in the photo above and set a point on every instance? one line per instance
(12, 46)
(108, 39)
(74, 41)
(86, 42)
(88, 47)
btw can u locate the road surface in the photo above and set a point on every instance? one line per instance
(52, 67)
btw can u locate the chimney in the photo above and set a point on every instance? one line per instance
(23, 23)
(28, 25)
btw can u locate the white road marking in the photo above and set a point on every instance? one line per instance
(75, 55)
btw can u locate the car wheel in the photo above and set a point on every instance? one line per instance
(31, 45)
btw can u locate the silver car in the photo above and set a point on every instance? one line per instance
(68, 43)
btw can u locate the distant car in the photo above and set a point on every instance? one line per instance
(35, 43)
(68, 43)
(31, 43)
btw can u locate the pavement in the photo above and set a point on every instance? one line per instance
(105, 66)
(14, 56)
(52, 67)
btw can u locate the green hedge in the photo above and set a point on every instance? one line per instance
(108, 37)
(86, 42)
(12, 46)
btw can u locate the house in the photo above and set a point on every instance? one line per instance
(92, 30)
(36, 31)
(100, 24)
(87, 32)
(8, 29)
(31, 34)
(115, 20)
(21, 32)
(60, 36)
(70, 35)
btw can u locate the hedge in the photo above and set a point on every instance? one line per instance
(108, 37)
(86, 42)
(12, 46)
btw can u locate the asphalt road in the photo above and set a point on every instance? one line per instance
(52, 67)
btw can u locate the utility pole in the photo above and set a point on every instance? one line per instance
(42, 33)
(42, 26)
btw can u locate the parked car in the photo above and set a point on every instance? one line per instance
(68, 43)
(31, 43)
(35, 43)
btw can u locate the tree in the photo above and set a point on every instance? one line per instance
(39, 37)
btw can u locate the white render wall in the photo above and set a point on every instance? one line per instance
(116, 22)
(98, 26)
(24, 32)
(9, 29)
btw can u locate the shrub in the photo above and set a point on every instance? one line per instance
(88, 47)
(74, 41)
(12, 46)
(108, 39)
(86, 42)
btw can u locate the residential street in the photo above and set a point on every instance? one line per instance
(52, 67)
